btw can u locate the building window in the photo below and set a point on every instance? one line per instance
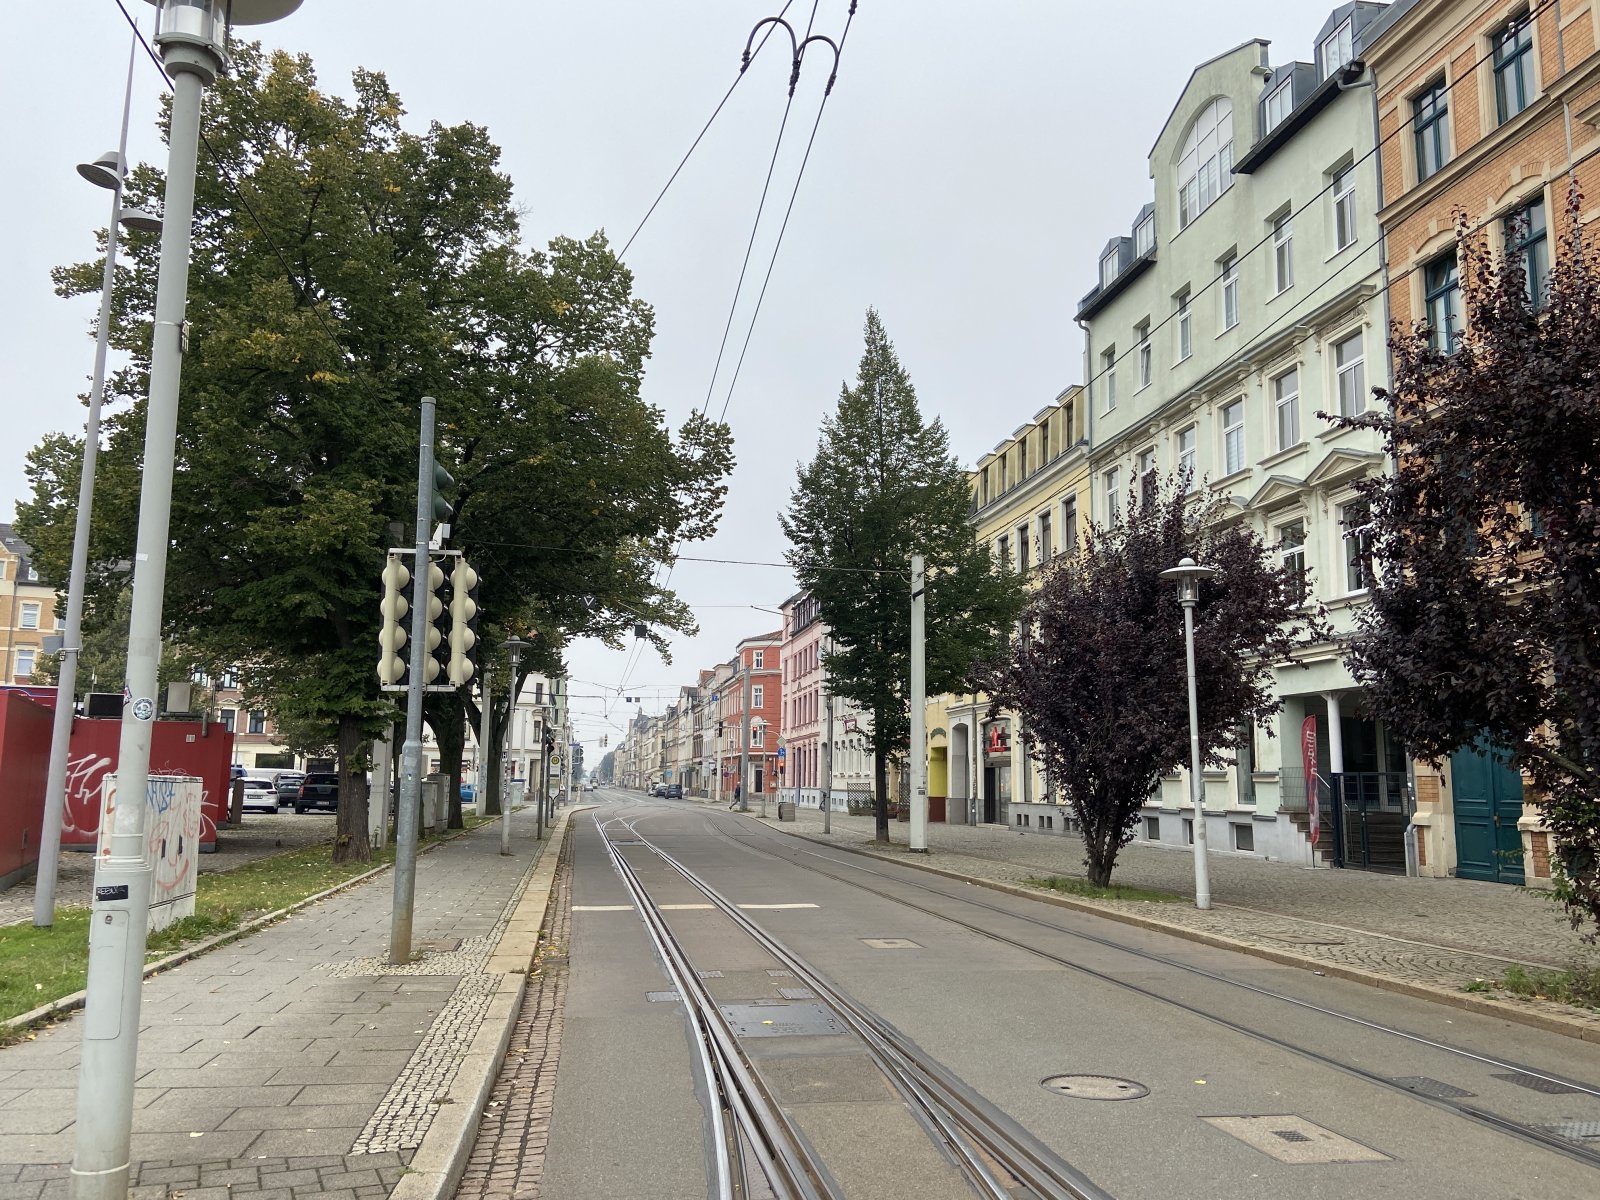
(1205, 169)
(1431, 122)
(1337, 49)
(1112, 484)
(1344, 207)
(758, 734)
(1526, 238)
(1152, 829)
(230, 678)
(1442, 297)
(1283, 253)
(1280, 102)
(1230, 291)
(1355, 523)
(1146, 353)
(1144, 236)
(24, 667)
(1185, 328)
(1186, 441)
(1108, 267)
(1147, 478)
(30, 616)
(1244, 838)
(757, 695)
(1292, 555)
(1045, 548)
(1044, 442)
(1350, 366)
(1069, 525)
(1513, 67)
(1286, 398)
(1022, 547)
(758, 659)
(227, 717)
(1022, 459)
(1002, 549)
(258, 721)
(1233, 437)
(1108, 368)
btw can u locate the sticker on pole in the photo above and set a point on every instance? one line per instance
(144, 708)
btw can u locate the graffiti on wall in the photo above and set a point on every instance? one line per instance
(172, 829)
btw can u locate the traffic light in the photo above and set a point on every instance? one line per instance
(463, 623)
(439, 608)
(392, 638)
(442, 505)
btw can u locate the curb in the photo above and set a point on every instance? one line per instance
(1550, 1022)
(441, 1159)
(74, 1001)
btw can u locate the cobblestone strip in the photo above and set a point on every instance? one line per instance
(507, 1160)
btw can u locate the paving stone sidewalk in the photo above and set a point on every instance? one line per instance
(1434, 932)
(294, 1063)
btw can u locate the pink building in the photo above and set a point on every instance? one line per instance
(803, 701)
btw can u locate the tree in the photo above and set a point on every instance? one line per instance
(607, 770)
(343, 268)
(883, 486)
(1485, 611)
(1100, 681)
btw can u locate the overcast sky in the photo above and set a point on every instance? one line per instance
(972, 161)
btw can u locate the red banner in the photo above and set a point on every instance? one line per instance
(1308, 758)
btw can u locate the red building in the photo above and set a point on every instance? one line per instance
(757, 657)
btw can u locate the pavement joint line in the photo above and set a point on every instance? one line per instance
(775, 906)
(1550, 1022)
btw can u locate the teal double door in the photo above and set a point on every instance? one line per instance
(1487, 795)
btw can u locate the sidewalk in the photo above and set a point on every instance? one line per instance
(297, 1063)
(1424, 936)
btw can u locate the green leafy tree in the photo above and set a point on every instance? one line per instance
(884, 486)
(344, 267)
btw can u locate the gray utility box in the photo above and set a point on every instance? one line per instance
(435, 803)
(785, 810)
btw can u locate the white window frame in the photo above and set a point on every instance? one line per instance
(1045, 527)
(25, 655)
(1108, 367)
(1233, 449)
(29, 618)
(1144, 236)
(1286, 408)
(1356, 547)
(1342, 45)
(1352, 398)
(1205, 167)
(1108, 266)
(1344, 207)
(758, 695)
(1187, 439)
(1283, 253)
(1228, 272)
(1293, 555)
(1280, 103)
(1111, 482)
(758, 659)
(1146, 354)
(1147, 475)
(1185, 324)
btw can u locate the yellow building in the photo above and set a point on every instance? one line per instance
(27, 611)
(1030, 504)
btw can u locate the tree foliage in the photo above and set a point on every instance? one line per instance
(343, 267)
(883, 486)
(1485, 618)
(1100, 679)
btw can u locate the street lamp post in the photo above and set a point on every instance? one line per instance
(107, 171)
(1188, 575)
(193, 38)
(515, 646)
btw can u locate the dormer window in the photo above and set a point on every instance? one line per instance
(1144, 236)
(1108, 268)
(1205, 168)
(1280, 103)
(1337, 49)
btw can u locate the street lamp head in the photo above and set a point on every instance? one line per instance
(105, 171)
(139, 220)
(1187, 575)
(186, 26)
(516, 646)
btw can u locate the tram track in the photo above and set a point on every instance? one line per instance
(1532, 1134)
(997, 1157)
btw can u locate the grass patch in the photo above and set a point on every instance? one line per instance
(1070, 886)
(41, 965)
(1577, 985)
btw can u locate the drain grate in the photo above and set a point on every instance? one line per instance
(1577, 1131)
(1540, 1083)
(1295, 1140)
(1094, 1087)
(1290, 1135)
(1424, 1086)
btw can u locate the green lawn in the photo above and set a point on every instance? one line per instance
(1070, 886)
(40, 965)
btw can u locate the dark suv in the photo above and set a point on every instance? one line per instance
(673, 791)
(319, 789)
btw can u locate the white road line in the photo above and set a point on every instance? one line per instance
(777, 906)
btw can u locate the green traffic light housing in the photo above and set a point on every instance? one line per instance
(442, 505)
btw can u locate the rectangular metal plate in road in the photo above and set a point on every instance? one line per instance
(1295, 1140)
(780, 1020)
(892, 943)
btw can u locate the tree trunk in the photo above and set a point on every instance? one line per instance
(880, 804)
(350, 842)
(448, 721)
(491, 804)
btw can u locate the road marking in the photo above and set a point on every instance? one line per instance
(777, 906)
(602, 908)
(681, 907)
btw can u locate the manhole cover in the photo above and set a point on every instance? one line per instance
(1424, 1086)
(661, 997)
(1094, 1087)
(1538, 1083)
(780, 1020)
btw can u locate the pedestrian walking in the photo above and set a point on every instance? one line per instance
(736, 794)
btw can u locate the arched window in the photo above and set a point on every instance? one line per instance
(1205, 169)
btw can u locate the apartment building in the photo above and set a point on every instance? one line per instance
(27, 610)
(756, 663)
(804, 710)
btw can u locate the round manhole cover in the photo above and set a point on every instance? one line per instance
(1094, 1087)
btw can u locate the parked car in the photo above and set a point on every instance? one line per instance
(468, 791)
(319, 789)
(674, 791)
(259, 794)
(288, 784)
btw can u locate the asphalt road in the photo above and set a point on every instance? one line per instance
(1262, 1081)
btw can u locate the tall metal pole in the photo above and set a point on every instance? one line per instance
(1202, 867)
(919, 714)
(515, 646)
(827, 756)
(121, 914)
(744, 741)
(55, 788)
(480, 789)
(405, 831)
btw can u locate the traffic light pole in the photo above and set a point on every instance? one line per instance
(405, 834)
